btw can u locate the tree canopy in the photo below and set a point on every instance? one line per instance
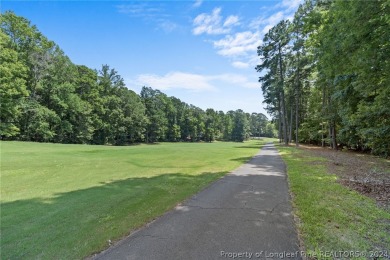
(47, 98)
(329, 69)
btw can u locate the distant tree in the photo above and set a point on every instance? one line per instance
(122, 112)
(210, 125)
(228, 123)
(155, 103)
(241, 126)
(47, 98)
(258, 123)
(270, 130)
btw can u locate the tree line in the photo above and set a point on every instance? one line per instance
(47, 98)
(325, 75)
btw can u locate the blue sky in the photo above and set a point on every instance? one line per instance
(203, 52)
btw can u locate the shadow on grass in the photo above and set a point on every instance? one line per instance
(242, 159)
(256, 145)
(74, 224)
(248, 147)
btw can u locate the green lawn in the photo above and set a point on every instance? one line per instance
(332, 217)
(66, 201)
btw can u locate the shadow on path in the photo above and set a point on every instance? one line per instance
(71, 225)
(247, 211)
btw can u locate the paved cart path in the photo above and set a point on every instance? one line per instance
(245, 215)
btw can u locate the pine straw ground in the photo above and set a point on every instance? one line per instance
(367, 174)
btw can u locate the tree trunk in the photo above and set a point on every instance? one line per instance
(297, 98)
(283, 106)
(280, 127)
(291, 124)
(330, 135)
(323, 113)
(296, 123)
(334, 141)
(283, 118)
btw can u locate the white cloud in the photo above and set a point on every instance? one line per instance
(143, 10)
(241, 47)
(259, 27)
(291, 5)
(240, 64)
(176, 80)
(264, 23)
(236, 79)
(197, 3)
(212, 23)
(267, 23)
(249, 62)
(240, 44)
(254, 60)
(190, 81)
(154, 14)
(167, 25)
(231, 20)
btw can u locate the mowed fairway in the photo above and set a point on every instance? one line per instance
(67, 201)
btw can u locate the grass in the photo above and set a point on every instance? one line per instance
(332, 217)
(66, 201)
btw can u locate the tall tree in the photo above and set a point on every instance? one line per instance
(155, 103)
(258, 123)
(241, 128)
(273, 53)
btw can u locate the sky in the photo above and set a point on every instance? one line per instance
(202, 52)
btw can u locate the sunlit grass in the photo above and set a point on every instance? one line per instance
(66, 201)
(333, 218)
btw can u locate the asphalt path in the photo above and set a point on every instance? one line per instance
(245, 215)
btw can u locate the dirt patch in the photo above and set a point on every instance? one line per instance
(367, 174)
